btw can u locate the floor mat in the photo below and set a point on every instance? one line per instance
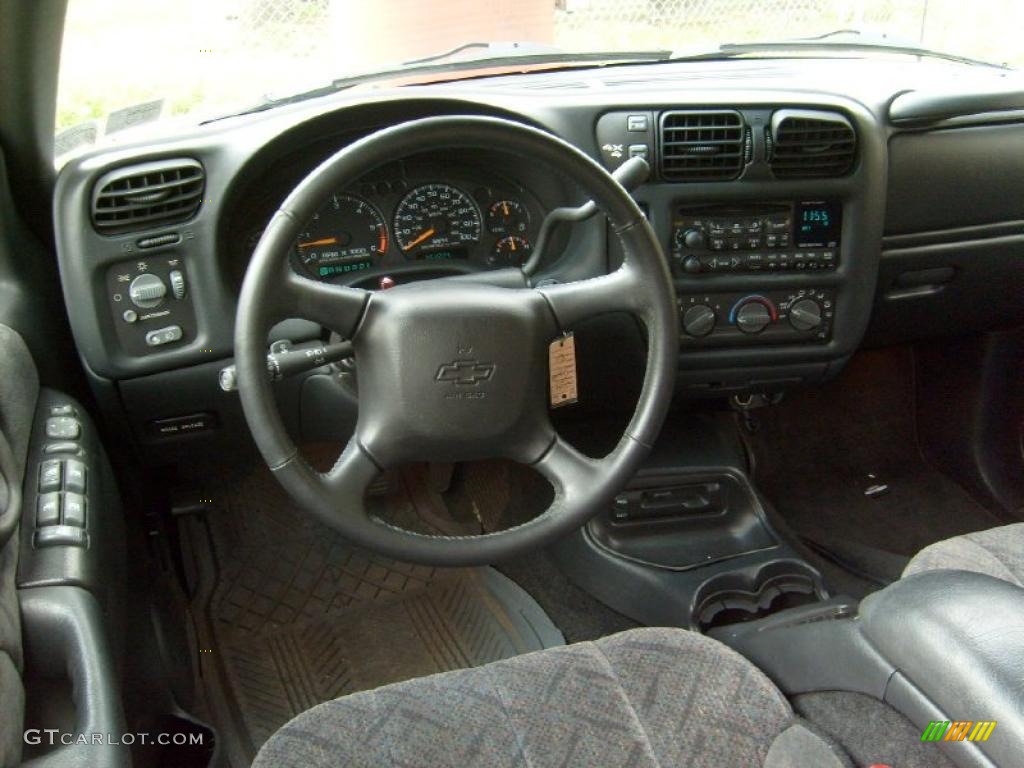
(820, 451)
(289, 615)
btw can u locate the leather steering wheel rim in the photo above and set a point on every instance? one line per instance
(405, 411)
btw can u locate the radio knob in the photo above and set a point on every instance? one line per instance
(805, 315)
(699, 320)
(147, 291)
(690, 264)
(691, 240)
(753, 317)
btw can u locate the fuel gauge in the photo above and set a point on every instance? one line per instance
(507, 217)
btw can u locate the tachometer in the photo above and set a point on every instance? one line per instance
(434, 219)
(347, 234)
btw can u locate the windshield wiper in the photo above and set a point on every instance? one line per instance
(495, 55)
(838, 40)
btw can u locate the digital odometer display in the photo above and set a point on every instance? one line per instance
(436, 217)
(818, 224)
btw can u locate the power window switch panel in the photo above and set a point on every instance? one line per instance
(48, 509)
(74, 476)
(49, 475)
(61, 536)
(74, 510)
(63, 428)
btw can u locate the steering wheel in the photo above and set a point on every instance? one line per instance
(493, 324)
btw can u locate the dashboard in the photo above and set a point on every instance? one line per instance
(807, 208)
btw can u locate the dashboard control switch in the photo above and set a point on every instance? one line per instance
(177, 280)
(163, 336)
(699, 320)
(636, 123)
(66, 446)
(147, 291)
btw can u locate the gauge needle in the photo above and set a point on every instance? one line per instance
(322, 241)
(424, 236)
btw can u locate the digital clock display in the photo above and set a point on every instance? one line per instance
(818, 224)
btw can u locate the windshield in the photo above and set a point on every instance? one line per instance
(132, 63)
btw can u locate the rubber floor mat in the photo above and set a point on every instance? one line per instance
(288, 614)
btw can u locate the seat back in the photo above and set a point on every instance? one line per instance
(19, 390)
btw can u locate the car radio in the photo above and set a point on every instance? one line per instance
(765, 237)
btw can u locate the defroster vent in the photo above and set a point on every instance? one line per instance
(703, 145)
(148, 195)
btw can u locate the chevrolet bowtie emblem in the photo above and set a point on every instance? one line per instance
(465, 373)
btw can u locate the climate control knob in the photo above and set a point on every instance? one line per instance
(753, 317)
(147, 291)
(805, 315)
(699, 320)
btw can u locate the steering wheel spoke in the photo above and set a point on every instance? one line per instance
(336, 307)
(569, 471)
(347, 481)
(619, 291)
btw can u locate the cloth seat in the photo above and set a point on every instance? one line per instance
(997, 552)
(647, 697)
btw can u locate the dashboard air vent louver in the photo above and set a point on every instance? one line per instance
(808, 144)
(148, 195)
(704, 145)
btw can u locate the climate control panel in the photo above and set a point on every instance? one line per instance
(768, 317)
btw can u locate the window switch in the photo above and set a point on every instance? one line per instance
(63, 428)
(74, 510)
(61, 535)
(74, 476)
(49, 476)
(62, 410)
(48, 510)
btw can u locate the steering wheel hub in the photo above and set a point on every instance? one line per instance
(455, 371)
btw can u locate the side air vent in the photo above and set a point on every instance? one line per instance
(148, 195)
(805, 144)
(705, 145)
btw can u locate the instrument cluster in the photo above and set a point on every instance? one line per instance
(441, 220)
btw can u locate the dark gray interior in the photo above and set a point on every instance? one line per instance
(258, 483)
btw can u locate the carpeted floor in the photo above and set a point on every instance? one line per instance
(871, 731)
(819, 452)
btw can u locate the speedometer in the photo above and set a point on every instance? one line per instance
(436, 221)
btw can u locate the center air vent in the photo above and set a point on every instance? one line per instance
(705, 145)
(807, 144)
(147, 195)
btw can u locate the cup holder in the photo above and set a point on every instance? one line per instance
(748, 595)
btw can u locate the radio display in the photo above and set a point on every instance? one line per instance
(818, 224)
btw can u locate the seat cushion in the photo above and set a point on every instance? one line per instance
(647, 697)
(997, 552)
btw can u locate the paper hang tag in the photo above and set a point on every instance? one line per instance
(562, 366)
